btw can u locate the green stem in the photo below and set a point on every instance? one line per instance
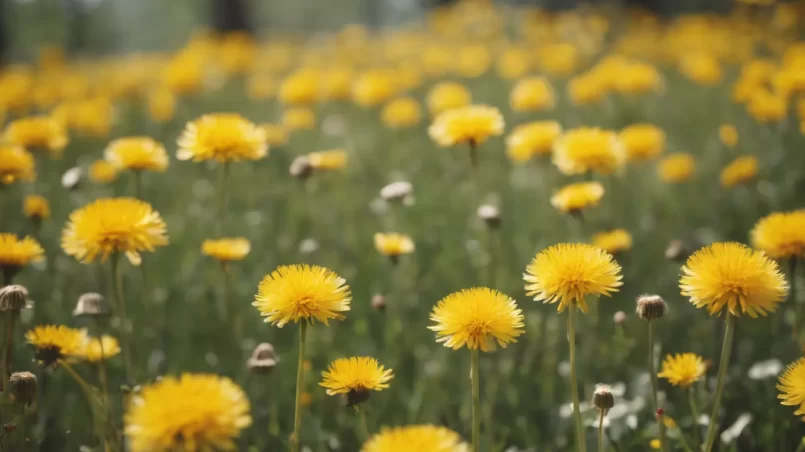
(476, 400)
(300, 380)
(726, 350)
(801, 447)
(120, 311)
(223, 300)
(655, 387)
(694, 411)
(223, 183)
(601, 447)
(138, 184)
(87, 389)
(364, 427)
(11, 318)
(581, 445)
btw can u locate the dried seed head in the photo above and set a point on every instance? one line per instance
(300, 167)
(676, 250)
(651, 307)
(397, 191)
(619, 318)
(378, 302)
(13, 298)
(263, 359)
(490, 214)
(23, 387)
(603, 398)
(71, 178)
(90, 305)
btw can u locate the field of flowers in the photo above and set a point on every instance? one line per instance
(491, 229)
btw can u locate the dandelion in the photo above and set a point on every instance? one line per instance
(401, 113)
(447, 96)
(276, 135)
(373, 87)
(102, 172)
(298, 119)
(224, 137)
(137, 154)
(430, 438)
(728, 134)
(300, 88)
(37, 132)
(677, 168)
(476, 318)
(604, 401)
(732, 276)
(161, 105)
(263, 359)
(226, 249)
(613, 241)
(192, 412)
(16, 164)
(16, 253)
(740, 171)
(683, 369)
(56, 343)
(333, 159)
(36, 207)
(472, 125)
(531, 140)
(781, 235)
(355, 377)
(393, 244)
(642, 141)
(587, 149)
(574, 198)
(651, 308)
(791, 385)
(532, 94)
(99, 349)
(586, 89)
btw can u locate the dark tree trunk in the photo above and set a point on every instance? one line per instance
(231, 15)
(3, 34)
(76, 16)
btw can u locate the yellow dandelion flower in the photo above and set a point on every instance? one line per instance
(430, 438)
(638, 78)
(161, 105)
(393, 244)
(111, 225)
(677, 168)
(37, 132)
(569, 272)
(300, 88)
(373, 87)
(137, 154)
(728, 134)
(476, 318)
(642, 141)
(655, 444)
(298, 119)
(333, 159)
(472, 125)
(791, 385)
(16, 164)
(401, 113)
(472, 60)
(532, 139)
(337, 83)
(226, 249)
(765, 106)
(260, 87)
(734, 276)
(54, 343)
(99, 349)
(194, 412)
(613, 241)
(683, 369)
(225, 137)
(16, 253)
(514, 62)
(740, 171)
(276, 135)
(355, 377)
(781, 235)
(701, 68)
(302, 292)
(532, 94)
(36, 207)
(586, 89)
(586, 149)
(92, 116)
(574, 198)
(447, 96)
(102, 172)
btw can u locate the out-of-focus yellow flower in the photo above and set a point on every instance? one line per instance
(294, 293)
(532, 139)
(16, 89)
(447, 96)
(765, 106)
(586, 149)
(91, 116)
(739, 171)
(513, 63)
(393, 244)
(333, 159)
(226, 249)
(224, 137)
(677, 168)
(37, 133)
(298, 119)
(184, 74)
(683, 369)
(569, 272)
(637, 78)
(36, 207)
(477, 318)
(236, 52)
(791, 385)
(401, 113)
(429, 438)
(55, 343)
(261, 87)
(373, 88)
(437, 60)
(574, 198)
(276, 135)
(472, 125)
(355, 377)
(16, 253)
(613, 241)
(532, 94)
(99, 349)
(642, 141)
(728, 134)
(472, 61)
(300, 88)
(733, 276)
(161, 105)
(102, 172)
(655, 444)
(586, 89)
(781, 235)
(408, 76)
(559, 59)
(701, 68)
(337, 83)
(137, 154)
(195, 412)
(16, 164)
(113, 225)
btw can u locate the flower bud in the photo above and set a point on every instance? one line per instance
(71, 178)
(603, 398)
(23, 387)
(263, 359)
(397, 191)
(13, 298)
(619, 318)
(651, 307)
(300, 167)
(90, 305)
(378, 302)
(676, 250)
(490, 214)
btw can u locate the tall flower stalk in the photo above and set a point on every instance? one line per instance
(581, 443)
(300, 384)
(726, 351)
(120, 311)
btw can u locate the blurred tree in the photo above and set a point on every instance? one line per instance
(231, 15)
(3, 34)
(75, 15)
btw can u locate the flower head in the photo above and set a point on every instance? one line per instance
(16, 164)
(37, 132)
(16, 253)
(300, 88)
(226, 249)
(577, 197)
(613, 241)
(99, 349)
(355, 377)
(302, 292)
(781, 235)
(430, 438)
(54, 343)
(137, 153)
(447, 96)
(472, 125)
(102, 172)
(401, 113)
(194, 412)
(225, 137)
(36, 207)
(373, 87)
(677, 167)
(276, 135)
(533, 139)
(110, 225)
(728, 135)
(642, 141)
(393, 244)
(298, 118)
(569, 272)
(683, 369)
(791, 385)
(161, 105)
(741, 170)
(477, 318)
(532, 94)
(734, 276)
(333, 159)
(587, 149)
